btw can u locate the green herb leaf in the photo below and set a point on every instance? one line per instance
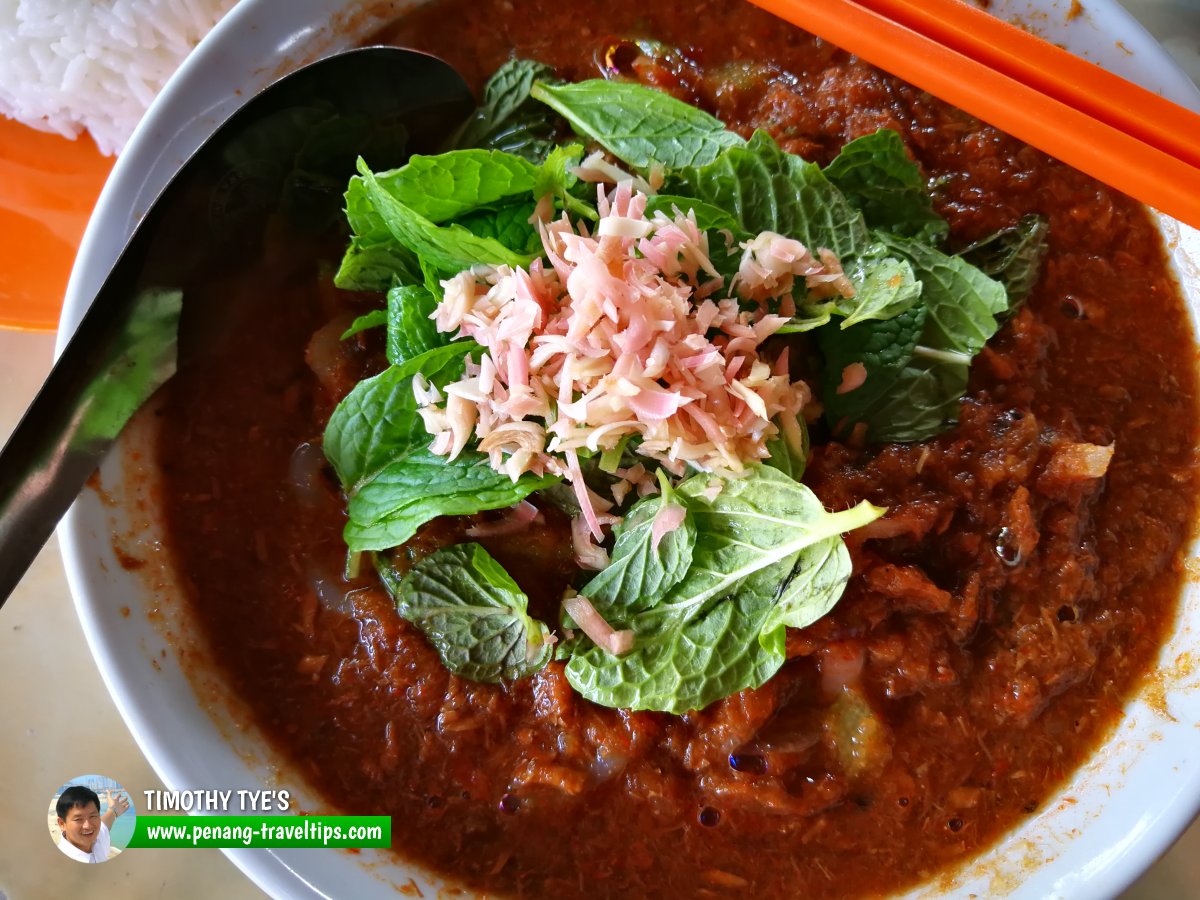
(556, 178)
(376, 267)
(913, 403)
(884, 288)
(809, 317)
(365, 322)
(449, 185)
(704, 640)
(904, 398)
(877, 176)
(411, 331)
(640, 574)
(419, 486)
(365, 222)
(790, 448)
(812, 589)
(877, 344)
(378, 445)
(637, 124)
(431, 279)
(963, 303)
(450, 248)
(474, 614)
(509, 118)
(374, 261)
(1013, 256)
(681, 663)
(377, 421)
(708, 217)
(508, 225)
(917, 362)
(767, 189)
(755, 521)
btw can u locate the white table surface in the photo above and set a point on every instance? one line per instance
(59, 722)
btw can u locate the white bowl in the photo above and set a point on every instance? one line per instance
(1114, 818)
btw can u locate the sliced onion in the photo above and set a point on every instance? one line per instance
(853, 377)
(593, 625)
(304, 474)
(841, 666)
(1080, 462)
(588, 554)
(666, 520)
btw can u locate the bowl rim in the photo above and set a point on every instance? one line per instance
(162, 140)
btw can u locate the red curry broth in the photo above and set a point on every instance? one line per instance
(997, 634)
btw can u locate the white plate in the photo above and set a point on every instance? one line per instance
(1112, 821)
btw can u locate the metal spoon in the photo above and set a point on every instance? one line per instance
(288, 151)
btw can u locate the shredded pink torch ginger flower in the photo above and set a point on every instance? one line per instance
(619, 335)
(771, 263)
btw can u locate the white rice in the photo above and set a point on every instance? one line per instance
(71, 65)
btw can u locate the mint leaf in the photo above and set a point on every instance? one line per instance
(639, 574)
(811, 590)
(431, 279)
(418, 486)
(912, 403)
(410, 330)
(365, 322)
(509, 119)
(376, 266)
(473, 613)
(704, 639)
(374, 261)
(789, 455)
(917, 362)
(637, 124)
(809, 317)
(377, 421)
(904, 398)
(682, 663)
(878, 344)
(963, 303)
(767, 189)
(378, 445)
(884, 288)
(756, 520)
(877, 176)
(448, 185)
(708, 217)
(450, 249)
(508, 225)
(1013, 256)
(556, 178)
(366, 224)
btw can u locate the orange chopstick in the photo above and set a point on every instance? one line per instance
(957, 72)
(1052, 70)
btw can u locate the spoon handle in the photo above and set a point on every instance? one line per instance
(121, 353)
(212, 214)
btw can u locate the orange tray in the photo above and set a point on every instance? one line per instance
(48, 186)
